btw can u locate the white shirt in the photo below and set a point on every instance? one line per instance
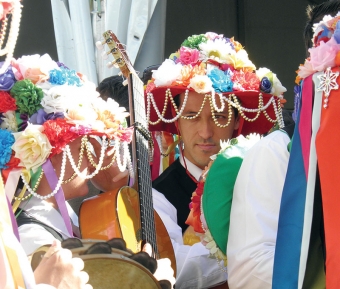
(33, 236)
(255, 212)
(195, 269)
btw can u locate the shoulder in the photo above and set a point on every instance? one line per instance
(173, 171)
(275, 141)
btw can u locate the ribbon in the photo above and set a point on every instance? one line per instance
(59, 196)
(327, 147)
(10, 272)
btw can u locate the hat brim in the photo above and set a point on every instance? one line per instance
(248, 99)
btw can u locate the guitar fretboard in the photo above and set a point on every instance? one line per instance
(143, 174)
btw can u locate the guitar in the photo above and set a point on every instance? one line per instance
(128, 212)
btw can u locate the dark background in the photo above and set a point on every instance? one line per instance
(270, 30)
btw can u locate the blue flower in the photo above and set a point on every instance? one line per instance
(6, 142)
(265, 85)
(337, 32)
(64, 75)
(221, 81)
(57, 76)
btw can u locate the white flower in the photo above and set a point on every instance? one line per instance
(55, 99)
(217, 49)
(209, 242)
(32, 147)
(111, 106)
(277, 87)
(318, 27)
(213, 35)
(201, 84)
(9, 121)
(237, 147)
(262, 72)
(167, 73)
(34, 62)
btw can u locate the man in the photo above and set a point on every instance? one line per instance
(59, 141)
(206, 92)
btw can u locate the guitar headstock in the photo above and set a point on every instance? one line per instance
(117, 50)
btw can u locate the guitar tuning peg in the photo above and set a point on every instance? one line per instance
(100, 44)
(112, 64)
(125, 82)
(116, 63)
(105, 55)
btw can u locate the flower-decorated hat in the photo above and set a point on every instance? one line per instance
(324, 57)
(211, 202)
(44, 106)
(218, 67)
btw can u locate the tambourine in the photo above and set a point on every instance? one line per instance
(109, 266)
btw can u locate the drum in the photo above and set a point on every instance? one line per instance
(114, 269)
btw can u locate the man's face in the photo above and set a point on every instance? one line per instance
(201, 136)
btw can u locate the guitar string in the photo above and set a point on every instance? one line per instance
(145, 174)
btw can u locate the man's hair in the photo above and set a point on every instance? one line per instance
(147, 73)
(113, 87)
(314, 15)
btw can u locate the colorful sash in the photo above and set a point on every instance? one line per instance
(296, 212)
(327, 147)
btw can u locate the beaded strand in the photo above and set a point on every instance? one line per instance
(56, 189)
(34, 188)
(81, 154)
(12, 36)
(100, 163)
(232, 101)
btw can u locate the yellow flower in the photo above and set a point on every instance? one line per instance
(32, 147)
(240, 60)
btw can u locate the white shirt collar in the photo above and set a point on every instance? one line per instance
(194, 170)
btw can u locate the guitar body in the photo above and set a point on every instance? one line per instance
(116, 214)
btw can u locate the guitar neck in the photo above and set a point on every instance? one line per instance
(140, 152)
(140, 148)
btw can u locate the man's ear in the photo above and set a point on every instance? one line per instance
(237, 122)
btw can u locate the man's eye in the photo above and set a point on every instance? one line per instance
(220, 116)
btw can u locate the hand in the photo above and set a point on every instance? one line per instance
(111, 178)
(59, 269)
(164, 270)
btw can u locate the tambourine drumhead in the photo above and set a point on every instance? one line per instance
(108, 271)
(116, 272)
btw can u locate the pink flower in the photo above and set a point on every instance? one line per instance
(323, 56)
(5, 8)
(213, 35)
(306, 69)
(188, 56)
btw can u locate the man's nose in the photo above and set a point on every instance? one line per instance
(206, 129)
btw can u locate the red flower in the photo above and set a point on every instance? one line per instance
(7, 102)
(245, 80)
(59, 133)
(194, 218)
